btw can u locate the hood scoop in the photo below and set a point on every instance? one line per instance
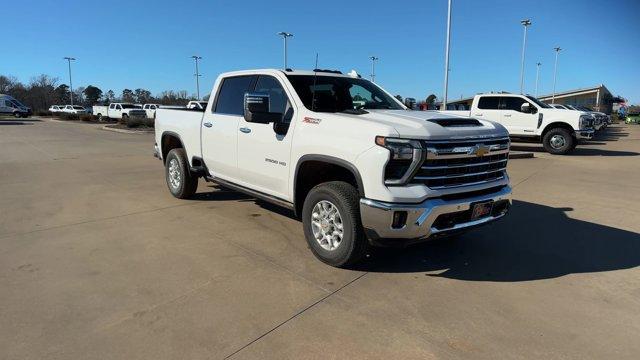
(456, 122)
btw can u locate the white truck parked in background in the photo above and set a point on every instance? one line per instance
(527, 118)
(357, 174)
(150, 110)
(194, 104)
(118, 111)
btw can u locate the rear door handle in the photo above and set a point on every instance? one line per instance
(207, 124)
(477, 115)
(507, 115)
(245, 130)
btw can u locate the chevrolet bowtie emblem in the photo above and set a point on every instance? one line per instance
(480, 150)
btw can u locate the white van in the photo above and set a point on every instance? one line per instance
(9, 105)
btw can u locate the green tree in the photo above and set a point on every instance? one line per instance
(128, 96)
(92, 94)
(142, 96)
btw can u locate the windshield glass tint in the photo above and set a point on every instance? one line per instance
(538, 102)
(337, 94)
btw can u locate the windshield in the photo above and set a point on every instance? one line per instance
(131, 106)
(339, 94)
(538, 102)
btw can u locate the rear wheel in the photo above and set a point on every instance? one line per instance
(17, 114)
(182, 184)
(332, 227)
(100, 117)
(558, 141)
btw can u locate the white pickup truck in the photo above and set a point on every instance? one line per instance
(118, 111)
(527, 118)
(195, 104)
(357, 174)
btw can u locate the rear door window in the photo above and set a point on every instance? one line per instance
(231, 95)
(489, 102)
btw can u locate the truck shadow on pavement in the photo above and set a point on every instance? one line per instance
(579, 151)
(533, 242)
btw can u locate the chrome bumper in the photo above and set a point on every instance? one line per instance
(377, 217)
(585, 134)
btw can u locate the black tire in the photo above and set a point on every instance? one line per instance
(559, 141)
(17, 115)
(125, 119)
(353, 246)
(100, 117)
(187, 183)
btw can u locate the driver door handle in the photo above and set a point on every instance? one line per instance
(245, 130)
(507, 115)
(478, 114)
(207, 124)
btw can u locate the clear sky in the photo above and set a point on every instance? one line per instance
(147, 44)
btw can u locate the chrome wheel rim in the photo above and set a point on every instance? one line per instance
(174, 174)
(557, 141)
(326, 225)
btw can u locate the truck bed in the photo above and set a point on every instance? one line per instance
(185, 122)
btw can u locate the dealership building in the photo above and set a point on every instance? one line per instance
(598, 98)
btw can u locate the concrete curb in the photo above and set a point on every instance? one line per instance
(123, 131)
(520, 155)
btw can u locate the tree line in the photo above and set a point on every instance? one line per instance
(42, 91)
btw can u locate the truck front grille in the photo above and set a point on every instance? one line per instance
(463, 163)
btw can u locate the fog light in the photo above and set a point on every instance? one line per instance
(399, 219)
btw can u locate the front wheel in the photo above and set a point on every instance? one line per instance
(558, 141)
(17, 115)
(182, 184)
(332, 227)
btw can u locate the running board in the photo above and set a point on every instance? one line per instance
(256, 194)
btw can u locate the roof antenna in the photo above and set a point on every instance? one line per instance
(313, 89)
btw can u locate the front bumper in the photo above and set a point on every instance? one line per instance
(424, 220)
(585, 134)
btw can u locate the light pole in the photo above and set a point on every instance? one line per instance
(196, 58)
(285, 35)
(555, 73)
(446, 59)
(537, 76)
(526, 23)
(373, 67)
(69, 59)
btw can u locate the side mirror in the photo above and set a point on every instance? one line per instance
(256, 109)
(526, 108)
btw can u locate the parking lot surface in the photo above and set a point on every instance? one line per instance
(98, 261)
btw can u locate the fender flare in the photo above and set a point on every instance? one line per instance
(330, 160)
(172, 134)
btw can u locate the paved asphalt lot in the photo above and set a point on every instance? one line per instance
(98, 261)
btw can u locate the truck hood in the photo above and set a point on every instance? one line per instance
(428, 125)
(560, 113)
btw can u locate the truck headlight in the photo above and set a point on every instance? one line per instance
(586, 121)
(404, 159)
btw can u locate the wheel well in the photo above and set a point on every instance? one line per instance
(556, 125)
(314, 172)
(170, 142)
